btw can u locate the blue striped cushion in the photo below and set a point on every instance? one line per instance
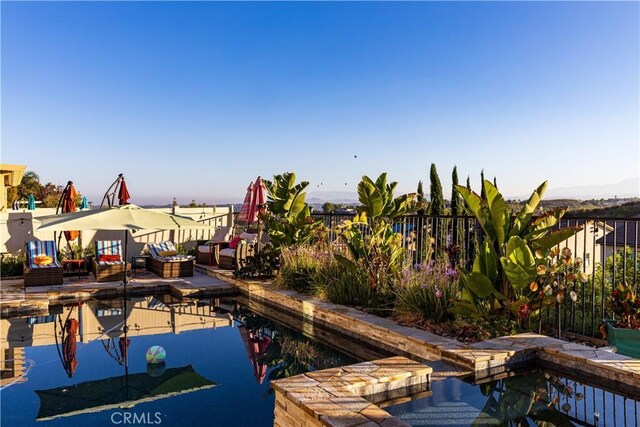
(42, 247)
(108, 247)
(156, 248)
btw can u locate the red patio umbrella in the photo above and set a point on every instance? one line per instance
(69, 346)
(123, 194)
(68, 204)
(243, 215)
(258, 200)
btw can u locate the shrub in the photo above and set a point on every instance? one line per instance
(299, 265)
(347, 286)
(11, 264)
(427, 290)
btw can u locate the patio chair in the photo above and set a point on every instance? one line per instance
(209, 251)
(41, 268)
(240, 248)
(166, 263)
(108, 265)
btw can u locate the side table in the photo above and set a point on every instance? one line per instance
(69, 265)
(139, 263)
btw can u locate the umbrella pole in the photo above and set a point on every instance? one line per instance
(124, 311)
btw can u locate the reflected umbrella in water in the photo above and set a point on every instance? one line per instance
(116, 392)
(256, 347)
(69, 335)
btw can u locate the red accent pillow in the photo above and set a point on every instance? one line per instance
(233, 243)
(110, 258)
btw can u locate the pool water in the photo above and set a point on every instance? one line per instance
(218, 367)
(527, 398)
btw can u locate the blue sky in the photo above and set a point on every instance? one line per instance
(194, 100)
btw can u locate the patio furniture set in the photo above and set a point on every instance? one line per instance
(42, 266)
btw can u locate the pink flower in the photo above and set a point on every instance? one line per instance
(438, 293)
(523, 311)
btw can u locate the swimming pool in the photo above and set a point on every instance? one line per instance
(524, 398)
(220, 359)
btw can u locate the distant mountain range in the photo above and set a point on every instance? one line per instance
(622, 189)
(344, 197)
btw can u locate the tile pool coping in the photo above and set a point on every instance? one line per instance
(482, 358)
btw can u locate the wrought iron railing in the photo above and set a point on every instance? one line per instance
(609, 248)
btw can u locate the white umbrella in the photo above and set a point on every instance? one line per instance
(126, 218)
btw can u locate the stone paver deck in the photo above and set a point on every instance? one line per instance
(341, 396)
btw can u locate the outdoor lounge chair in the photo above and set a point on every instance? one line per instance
(209, 251)
(41, 268)
(233, 258)
(108, 265)
(166, 263)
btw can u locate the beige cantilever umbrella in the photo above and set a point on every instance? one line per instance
(127, 218)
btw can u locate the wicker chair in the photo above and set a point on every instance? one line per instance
(166, 263)
(108, 265)
(39, 274)
(208, 252)
(236, 258)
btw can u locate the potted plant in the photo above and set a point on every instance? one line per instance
(624, 332)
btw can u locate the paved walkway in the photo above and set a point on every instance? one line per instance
(16, 299)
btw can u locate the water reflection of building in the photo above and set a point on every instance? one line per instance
(12, 366)
(148, 316)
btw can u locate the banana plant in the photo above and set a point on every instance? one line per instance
(513, 246)
(288, 220)
(370, 237)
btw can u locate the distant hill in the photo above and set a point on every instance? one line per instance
(622, 189)
(624, 210)
(343, 197)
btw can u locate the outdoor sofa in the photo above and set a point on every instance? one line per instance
(167, 263)
(240, 248)
(41, 267)
(208, 252)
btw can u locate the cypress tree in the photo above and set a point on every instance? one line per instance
(456, 209)
(468, 182)
(483, 195)
(437, 202)
(495, 182)
(422, 201)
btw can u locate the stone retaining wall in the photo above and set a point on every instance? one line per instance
(484, 358)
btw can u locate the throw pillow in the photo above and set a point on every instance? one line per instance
(110, 258)
(42, 260)
(234, 242)
(168, 253)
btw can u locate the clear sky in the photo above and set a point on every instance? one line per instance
(194, 100)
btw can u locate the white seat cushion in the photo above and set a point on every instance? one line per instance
(228, 252)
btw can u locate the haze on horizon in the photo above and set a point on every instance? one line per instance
(194, 100)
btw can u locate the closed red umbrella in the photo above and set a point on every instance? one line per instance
(69, 196)
(258, 201)
(123, 194)
(69, 346)
(243, 215)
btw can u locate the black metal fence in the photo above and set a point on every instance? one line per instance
(607, 246)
